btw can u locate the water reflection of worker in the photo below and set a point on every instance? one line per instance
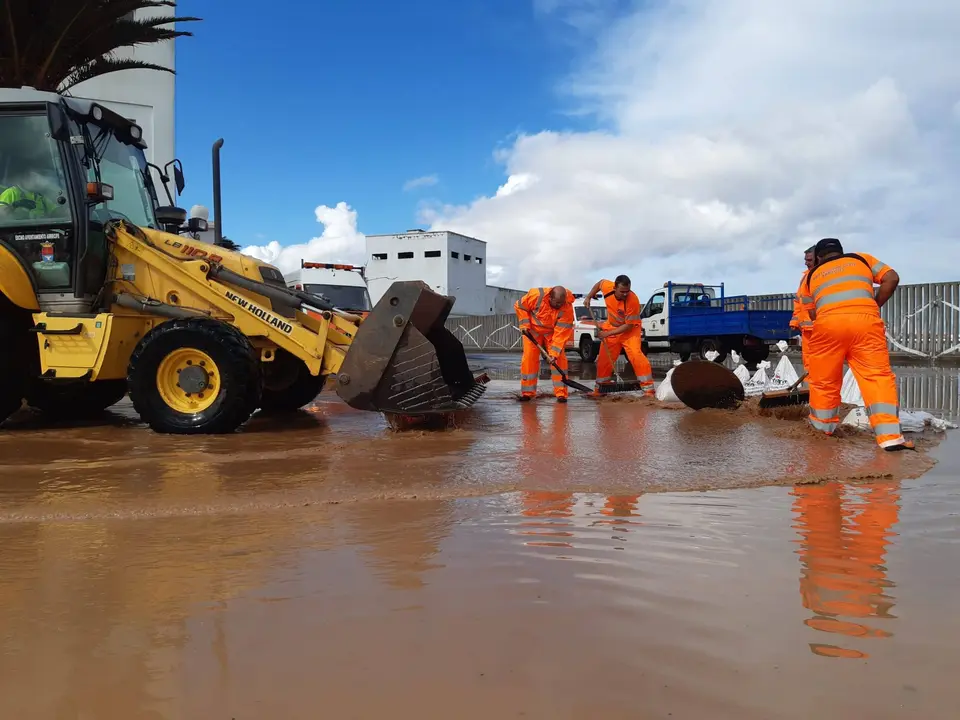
(544, 457)
(842, 553)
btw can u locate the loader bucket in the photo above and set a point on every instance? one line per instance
(403, 360)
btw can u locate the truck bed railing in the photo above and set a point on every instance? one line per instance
(732, 303)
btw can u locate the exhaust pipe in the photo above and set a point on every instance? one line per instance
(217, 225)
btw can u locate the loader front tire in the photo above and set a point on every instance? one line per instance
(12, 369)
(194, 376)
(288, 385)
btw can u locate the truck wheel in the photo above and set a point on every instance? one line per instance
(708, 344)
(588, 349)
(288, 385)
(194, 376)
(75, 401)
(684, 356)
(753, 357)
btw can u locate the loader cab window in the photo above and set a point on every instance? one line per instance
(125, 168)
(654, 307)
(35, 214)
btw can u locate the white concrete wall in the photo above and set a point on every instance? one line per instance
(145, 96)
(464, 276)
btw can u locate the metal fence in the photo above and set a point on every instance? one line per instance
(923, 322)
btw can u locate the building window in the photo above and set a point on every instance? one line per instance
(379, 256)
(468, 258)
(432, 253)
(455, 255)
(479, 261)
(405, 255)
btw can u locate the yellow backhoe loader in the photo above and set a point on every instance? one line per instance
(101, 295)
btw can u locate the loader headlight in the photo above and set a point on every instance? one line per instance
(97, 113)
(135, 132)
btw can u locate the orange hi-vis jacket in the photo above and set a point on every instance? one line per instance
(843, 285)
(619, 312)
(801, 318)
(537, 315)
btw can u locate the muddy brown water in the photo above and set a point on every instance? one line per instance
(536, 562)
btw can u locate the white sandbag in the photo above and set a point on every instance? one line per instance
(735, 356)
(783, 376)
(910, 422)
(850, 390)
(757, 384)
(711, 355)
(782, 346)
(665, 391)
(742, 373)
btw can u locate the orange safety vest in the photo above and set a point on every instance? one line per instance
(537, 315)
(844, 285)
(801, 318)
(619, 312)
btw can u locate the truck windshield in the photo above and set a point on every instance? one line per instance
(124, 167)
(600, 313)
(33, 185)
(345, 297)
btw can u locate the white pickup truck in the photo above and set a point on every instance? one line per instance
(585, 341)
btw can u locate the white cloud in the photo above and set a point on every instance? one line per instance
(339, 242)
(420, 182)
(740, 132)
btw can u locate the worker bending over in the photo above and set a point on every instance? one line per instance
(839, 296)
(622, 330)
(801, 321)
(547, 313)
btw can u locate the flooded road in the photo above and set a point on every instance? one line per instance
(537, 562)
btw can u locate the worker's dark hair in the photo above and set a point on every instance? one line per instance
(622, 280)
(828, 246)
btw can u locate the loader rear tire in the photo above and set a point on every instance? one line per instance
(288, 385)
(13, 370)
(75, 401)
(194, 376)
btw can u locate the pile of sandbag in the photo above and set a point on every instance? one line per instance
(665, 391)
(910, 421)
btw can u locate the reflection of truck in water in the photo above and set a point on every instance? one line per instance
(691, 319)
(344, 285)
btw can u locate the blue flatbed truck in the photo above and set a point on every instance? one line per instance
(692, 319)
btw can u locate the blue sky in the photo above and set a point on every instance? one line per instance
(347, 101)
(712, 140)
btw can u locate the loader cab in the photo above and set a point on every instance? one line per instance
(67, 167)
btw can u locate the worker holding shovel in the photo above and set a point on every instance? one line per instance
(546, 321)
(621, 331)
(801, 321)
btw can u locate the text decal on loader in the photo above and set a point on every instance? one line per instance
(259, 312)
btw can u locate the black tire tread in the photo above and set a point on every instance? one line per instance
(239, 361)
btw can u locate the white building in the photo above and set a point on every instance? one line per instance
(450, 263)
(144, 96)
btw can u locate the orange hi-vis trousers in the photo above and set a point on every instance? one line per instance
(860, 340)
(805, 334)
(530, 367)
(630, 342)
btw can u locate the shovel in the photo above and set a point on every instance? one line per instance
(620, 385)
(553, 363)
(786, 398)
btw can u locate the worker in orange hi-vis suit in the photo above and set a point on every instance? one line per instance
(801, 321)
(840, 298)
(622, 330)
(547, 313)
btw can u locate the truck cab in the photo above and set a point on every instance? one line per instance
(343, 285)
(696, 319)
(585, 341)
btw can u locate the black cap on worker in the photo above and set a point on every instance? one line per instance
(827, 246)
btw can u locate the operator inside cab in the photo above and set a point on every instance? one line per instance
(27, 185)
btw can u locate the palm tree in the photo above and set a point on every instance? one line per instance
(55, 44)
